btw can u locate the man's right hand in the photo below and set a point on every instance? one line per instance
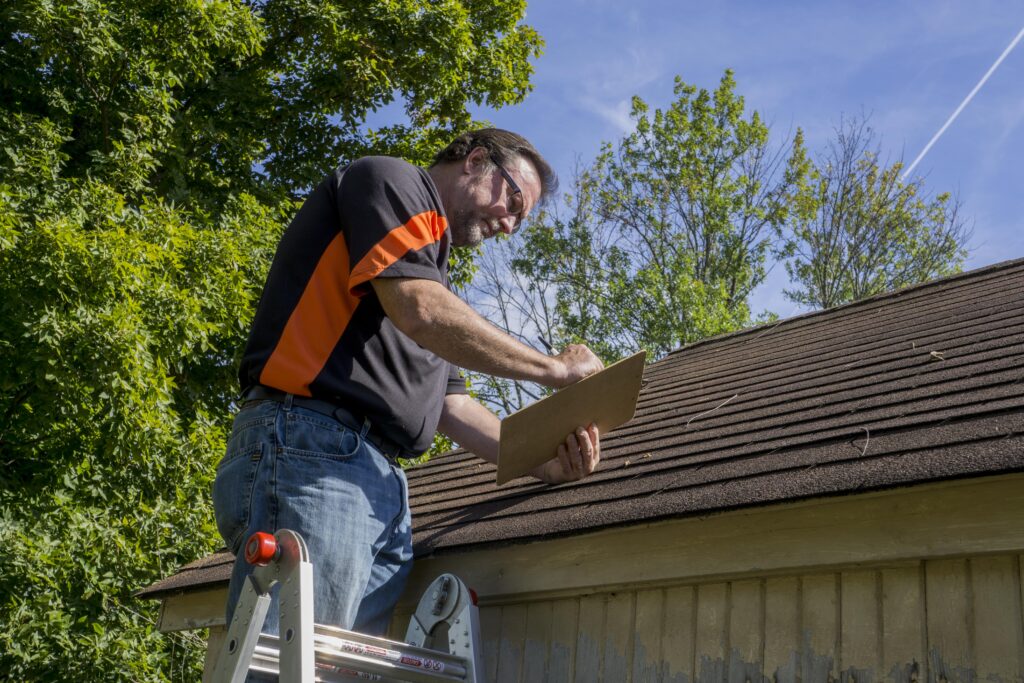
(577, 361)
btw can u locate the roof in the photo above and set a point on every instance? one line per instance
(919, 385)
(205, 572)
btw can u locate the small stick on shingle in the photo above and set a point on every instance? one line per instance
(707, 412)
(867, 440)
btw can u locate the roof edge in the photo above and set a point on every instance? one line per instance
(995, 267)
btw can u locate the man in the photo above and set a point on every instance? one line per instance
(352, 361)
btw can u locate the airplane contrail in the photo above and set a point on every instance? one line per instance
(963, 104)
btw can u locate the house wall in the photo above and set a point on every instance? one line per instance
(950, 619)
(918, 584)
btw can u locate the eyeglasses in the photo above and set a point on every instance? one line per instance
(516, 202)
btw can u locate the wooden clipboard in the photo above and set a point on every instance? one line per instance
(531, 436)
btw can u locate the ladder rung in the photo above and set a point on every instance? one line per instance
(334, 636)
(353, 651)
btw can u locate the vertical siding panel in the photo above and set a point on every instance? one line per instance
(859, 628)
(490, 632)
(819, 612)
(510, 648)
(679, 636)
(399, 625)
(538, 639)
(1020, 604)
(564, 627)
(647, 634)
(590, 638)
(946, 590)
(997, 618)
(902, 624)
(746, 632)
(618, 641)
(782, 635)
(712, 632)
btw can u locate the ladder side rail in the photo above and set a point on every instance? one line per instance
(465, 642)
(298, 659)
(243, 634)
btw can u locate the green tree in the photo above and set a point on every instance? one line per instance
(661, 241)
(858, 228)
(203, 98)
(150, 154)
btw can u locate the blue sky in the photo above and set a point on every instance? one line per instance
(906, 64)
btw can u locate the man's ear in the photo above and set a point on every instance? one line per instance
(475, 161)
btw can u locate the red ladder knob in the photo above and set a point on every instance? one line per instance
(261, 548)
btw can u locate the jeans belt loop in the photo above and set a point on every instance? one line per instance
(366, 428)
(288, 399)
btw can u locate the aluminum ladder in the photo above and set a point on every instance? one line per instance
(306, 652)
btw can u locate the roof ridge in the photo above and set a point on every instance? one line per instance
(965, 275)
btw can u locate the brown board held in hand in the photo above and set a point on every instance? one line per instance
(531, 436)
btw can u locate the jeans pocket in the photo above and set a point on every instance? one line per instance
(232, 492)
(308, 433)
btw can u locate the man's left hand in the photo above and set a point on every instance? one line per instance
(577, 457)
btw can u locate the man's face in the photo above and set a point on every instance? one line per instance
(482, 205)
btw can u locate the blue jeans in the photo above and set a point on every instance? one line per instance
(287, 467)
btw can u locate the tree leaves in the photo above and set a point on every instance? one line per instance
(120, 330)
(859, 229)
(150, 154)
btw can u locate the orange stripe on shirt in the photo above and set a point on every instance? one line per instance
(315, 326)
(419, 231)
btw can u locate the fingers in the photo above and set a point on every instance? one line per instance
(580, 453)
(595, 442)
(565, 463)
(579, 362)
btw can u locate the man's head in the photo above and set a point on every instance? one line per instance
(489, 180)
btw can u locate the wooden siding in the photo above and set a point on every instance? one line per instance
(918, 585)
(934, 620)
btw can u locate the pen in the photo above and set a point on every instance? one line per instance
(546, 343)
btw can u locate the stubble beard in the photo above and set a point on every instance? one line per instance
(467, 229)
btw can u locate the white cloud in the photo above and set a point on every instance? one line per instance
(616, 113)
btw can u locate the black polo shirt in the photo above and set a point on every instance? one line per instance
(320, 330)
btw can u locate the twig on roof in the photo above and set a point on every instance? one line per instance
(867, 440)
(764, 332)
(708, 412)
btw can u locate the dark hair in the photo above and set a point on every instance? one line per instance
(502, 146)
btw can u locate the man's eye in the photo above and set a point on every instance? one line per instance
(515, 204)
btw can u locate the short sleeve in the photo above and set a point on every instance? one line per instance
(456, 381)
(393, 222)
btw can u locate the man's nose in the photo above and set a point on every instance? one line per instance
(508, 224)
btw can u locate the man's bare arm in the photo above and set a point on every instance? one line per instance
(438, 320)
(477, 429)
